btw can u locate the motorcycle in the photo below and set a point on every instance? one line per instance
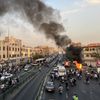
(60, 89)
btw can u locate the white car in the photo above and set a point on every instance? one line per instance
(6, 76)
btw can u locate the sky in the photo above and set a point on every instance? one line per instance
(81, 18)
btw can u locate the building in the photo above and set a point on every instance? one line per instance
(76, 44)
(3, 50)
(26, 52)
(89, 52)
(44, 50)
(12, 49)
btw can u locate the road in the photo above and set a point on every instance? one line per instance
(84, 91)
(30, 90)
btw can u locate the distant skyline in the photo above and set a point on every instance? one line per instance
(81, 19)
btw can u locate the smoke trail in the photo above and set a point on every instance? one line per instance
(40, 16)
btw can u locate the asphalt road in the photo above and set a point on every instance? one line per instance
(30, 90)
(84, 91)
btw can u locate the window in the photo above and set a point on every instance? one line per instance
(3, 56)
(86, 49)
(93, 49)
(3, 48)
(25, 54)
(9, 48)
(9, 55)
(18, 49)
(87, 55)
(90, 49)
(13, 49)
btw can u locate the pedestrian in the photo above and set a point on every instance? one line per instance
(67, 85)
(74, 81)
(75, 97)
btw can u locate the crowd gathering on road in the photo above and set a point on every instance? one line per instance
(72, 76)
(8, 76)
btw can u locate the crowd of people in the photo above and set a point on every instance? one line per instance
(70, 80)
(8, 76)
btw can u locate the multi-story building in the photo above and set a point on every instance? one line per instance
(10, 48)
(44, 50)
(89, 52)
(26, 52)
(3, 50)
(77, 44)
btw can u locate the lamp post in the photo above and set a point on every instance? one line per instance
(0, 47)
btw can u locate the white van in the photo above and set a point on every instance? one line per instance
(61, 70)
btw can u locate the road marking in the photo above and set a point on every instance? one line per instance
(66, 96)
(41, 94)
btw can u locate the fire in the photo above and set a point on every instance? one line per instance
(78, 65)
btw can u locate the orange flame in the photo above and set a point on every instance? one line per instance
(78, 65)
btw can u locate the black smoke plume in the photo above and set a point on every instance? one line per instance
(74, 53)
(40, 16)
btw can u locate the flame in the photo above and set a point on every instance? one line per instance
(78, 65)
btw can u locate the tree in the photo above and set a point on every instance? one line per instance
(36, 56)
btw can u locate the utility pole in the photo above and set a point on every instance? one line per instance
(0, 47)
(8, 46)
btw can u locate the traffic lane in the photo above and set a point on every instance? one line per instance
(25, 73)
(32, 86)
(29, 92)
(22, 72)
(54, 95)
(84, 91)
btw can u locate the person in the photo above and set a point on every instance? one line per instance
(60, 88)
(75, 97)
(87, 79)
(74, 81)
(67, 85)
(40, 69)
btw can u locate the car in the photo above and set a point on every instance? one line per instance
(26, 68)
(50, 86)
(6, 76)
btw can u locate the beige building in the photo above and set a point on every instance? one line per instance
(26, 52)
(44, 50)
(11, 49)
(3, 50)
(89, 52)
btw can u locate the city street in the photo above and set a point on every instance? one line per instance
(30, 90)
(84, 91)
(49, 49)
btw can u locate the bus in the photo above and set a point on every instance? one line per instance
(40, 61)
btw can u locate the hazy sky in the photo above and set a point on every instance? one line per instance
(81, 19)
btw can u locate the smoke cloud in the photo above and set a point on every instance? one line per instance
(41, 16)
